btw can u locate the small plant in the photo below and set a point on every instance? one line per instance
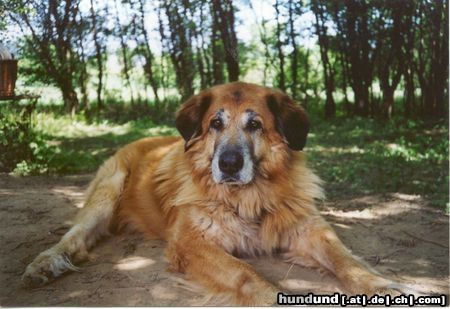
(22, 150)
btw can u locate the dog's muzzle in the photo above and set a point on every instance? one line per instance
(230, 164)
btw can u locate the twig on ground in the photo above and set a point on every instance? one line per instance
(289, 270)
(365, 225)
(378, 258)
(43, 289)
(395, 273)
(61, 230)
(27, 242)
(425, 240)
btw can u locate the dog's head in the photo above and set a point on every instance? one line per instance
(239, 131)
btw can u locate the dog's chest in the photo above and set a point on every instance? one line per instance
(230, 231)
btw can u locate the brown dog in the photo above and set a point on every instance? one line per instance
(236, 184)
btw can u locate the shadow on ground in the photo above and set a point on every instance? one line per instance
(395, 233)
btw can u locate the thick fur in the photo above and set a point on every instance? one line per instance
(164, 188)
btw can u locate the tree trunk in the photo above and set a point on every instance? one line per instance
(281, 74)
(330, 105)
(83, 76)
(388, 102)
(180, 47)
(69, 96)
(217, 48)
(123, 48)
(294, 56)
(148, 67)
(223, 14)
(409, 93)
(98, 57)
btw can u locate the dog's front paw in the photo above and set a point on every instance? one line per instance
(45, 267)
(371, 284)
(396, 288)
(268, 297)
(265, 295)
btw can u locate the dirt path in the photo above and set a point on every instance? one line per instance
(397, 234)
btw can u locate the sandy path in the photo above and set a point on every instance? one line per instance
(392, 233)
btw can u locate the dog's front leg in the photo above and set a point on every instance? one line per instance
(225, 277)
(314, 243)
(91, 223)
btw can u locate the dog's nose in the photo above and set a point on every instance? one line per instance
(231, 162)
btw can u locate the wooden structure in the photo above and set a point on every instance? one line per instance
(26, 103)
(8, 77)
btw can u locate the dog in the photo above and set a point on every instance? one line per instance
(234, 184)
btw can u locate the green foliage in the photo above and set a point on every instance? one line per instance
(360, 156)
(85, 143)
(354, 156)
(22, 149)
(31, 67)
(118, 112)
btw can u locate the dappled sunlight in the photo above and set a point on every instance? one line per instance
(426, 284)
(162, 292)
(76, 128)
(86, 78)
(337, 150)
(67, 223)
(374, 212)
(7, 192)
(161, 130)
(79, 128)
(421, 262)
(70, 191)
(133, 263)
(72, 194)
(100, 151)
(342, 226)
(326, 284)
(407, 197)
(83, 129)
(408, 153)
(76, 293)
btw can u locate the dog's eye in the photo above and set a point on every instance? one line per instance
(254, 125)
(216, 124)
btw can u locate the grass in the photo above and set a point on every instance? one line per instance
(361, 156)
(82, 146)
(354, 156)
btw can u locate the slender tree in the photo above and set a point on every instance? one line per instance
(179, 44)
(148, 54)
(124, 52)
(328, 71)
(279, 44)
(52, 37)
(98, 54)
(217, 48)
(83, 75)
(390, 63)
(432, 57)
(294, 55)
(223, 28)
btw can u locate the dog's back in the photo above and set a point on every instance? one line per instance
(140, 206)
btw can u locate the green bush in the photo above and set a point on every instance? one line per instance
(22, 149)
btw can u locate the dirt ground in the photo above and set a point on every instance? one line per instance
(399, 235)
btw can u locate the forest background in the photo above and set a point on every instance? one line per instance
(372, 74)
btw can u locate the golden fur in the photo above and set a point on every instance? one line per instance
(163, 188)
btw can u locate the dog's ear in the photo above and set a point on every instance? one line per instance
(291, 120)
(189, 117)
